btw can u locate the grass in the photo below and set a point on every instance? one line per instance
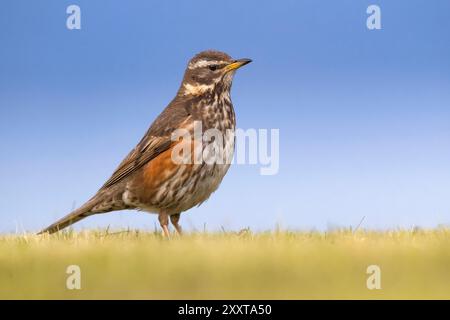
(245, 265)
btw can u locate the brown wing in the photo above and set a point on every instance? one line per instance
(138, 157)
(156, 140)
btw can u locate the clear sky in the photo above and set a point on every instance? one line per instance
(364, 116)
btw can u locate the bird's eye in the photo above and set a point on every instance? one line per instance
(212, 67)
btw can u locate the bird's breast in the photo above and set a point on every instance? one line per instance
(217, 111)
(165, 185)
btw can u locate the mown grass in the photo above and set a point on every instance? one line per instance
(245, 265)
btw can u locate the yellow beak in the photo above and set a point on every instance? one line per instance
(236, 64)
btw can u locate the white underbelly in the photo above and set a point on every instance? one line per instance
(208, 177)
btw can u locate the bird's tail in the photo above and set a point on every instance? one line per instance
(75, 216)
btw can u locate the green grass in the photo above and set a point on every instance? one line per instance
(246, 265)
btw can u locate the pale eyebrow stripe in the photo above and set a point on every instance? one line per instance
(205, 63)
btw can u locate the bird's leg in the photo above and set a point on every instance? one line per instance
(174, 218)
(164, 222)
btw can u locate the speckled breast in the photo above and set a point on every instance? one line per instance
(166, 186)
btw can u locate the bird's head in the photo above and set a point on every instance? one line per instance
(209, 70)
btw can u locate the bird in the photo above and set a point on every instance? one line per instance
(149, 179)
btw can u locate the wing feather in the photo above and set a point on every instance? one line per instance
(138, 157)
(156, 140)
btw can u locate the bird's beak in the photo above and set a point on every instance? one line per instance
(236, 64)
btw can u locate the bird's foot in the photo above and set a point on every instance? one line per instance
(174, 218)
(165, 232)
(164, 222)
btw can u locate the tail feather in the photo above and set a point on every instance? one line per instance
(75, 216)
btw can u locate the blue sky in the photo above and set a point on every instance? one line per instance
(363, 115)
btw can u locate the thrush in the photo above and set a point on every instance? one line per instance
(149, 179)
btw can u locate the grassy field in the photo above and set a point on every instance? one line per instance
(244, 265)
